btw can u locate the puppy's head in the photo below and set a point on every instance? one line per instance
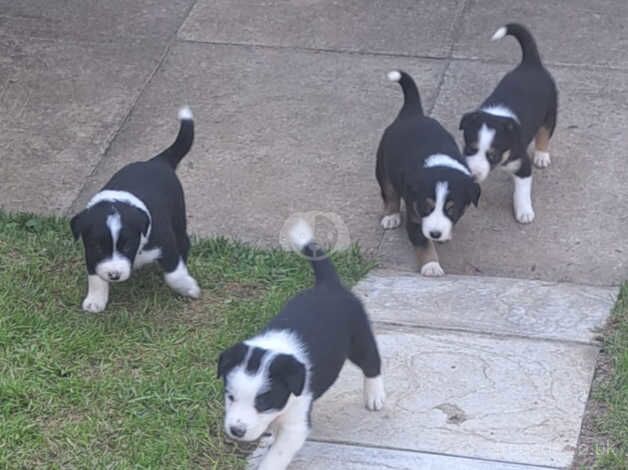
(258, 386)
(440, 201)
(488, 141)
(111, 234)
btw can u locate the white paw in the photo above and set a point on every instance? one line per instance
(189, 288)
(391, 221)
(432, 269)
(374, 393)
(524, 216)
(541, 159)
(94, 303)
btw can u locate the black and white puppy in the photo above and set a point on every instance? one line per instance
(137, 218)
(523, 107)
(419, 161)
(272, 379)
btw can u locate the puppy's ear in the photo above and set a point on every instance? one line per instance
(291, 372)
(468, 119)
(474, 193)
(230, 358)
(77, 224)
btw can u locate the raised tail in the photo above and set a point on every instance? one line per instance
(526, 41)
(302, 237)
(182, 144)
(411, 98)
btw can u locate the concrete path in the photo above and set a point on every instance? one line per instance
(290, 100)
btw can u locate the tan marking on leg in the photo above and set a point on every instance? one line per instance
(428, 260)
(541, 140)
(392, 204)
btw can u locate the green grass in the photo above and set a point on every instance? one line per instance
(134, 387)
(613, 393)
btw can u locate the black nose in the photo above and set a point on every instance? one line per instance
(237, 431)
(435, 234)
(114, 276)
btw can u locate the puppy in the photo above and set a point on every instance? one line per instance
(523, 107)
(419, 161)
(272, 379)
(138, 217)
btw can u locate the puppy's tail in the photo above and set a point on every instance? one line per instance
(526, 41)
(411, 98)
(182, 144)
(302, 237)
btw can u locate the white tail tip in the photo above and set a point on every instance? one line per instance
(394, 76)
(301, 234)
(185, 113)
(500, 33)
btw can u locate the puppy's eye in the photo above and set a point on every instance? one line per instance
(471, 148)
(449, 206)
(230, 397)
(491, 154)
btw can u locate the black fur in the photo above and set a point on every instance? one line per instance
(402, 153)
(331, 324)
(155, 183)
(530, 92)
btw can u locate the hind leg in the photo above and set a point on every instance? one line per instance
(392, 200)
(365, 355)
(176, 272)
(541, 141)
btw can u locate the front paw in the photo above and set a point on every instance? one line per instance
(524, 215)
(542, 159)
(94, 303)
(374, 393)
(432, 269)
(391, 221)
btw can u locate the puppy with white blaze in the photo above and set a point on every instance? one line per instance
(419, 161)
(138, 217)
(523, 107)
(272, 379)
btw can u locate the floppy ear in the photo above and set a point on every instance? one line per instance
(468, 119)
(290, 371)
(230, 358)
(474, 193)
(77, 224)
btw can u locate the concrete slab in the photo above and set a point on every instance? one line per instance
(277, 132)
(517, 400)
(581, 200)
(92, 19)
(581, 32)
(497, 305)
(407, 27)
(62, 103)
(325, 456)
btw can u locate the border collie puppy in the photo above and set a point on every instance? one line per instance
(419, 161)
(137, 218)
(523, 107)
(272, 379)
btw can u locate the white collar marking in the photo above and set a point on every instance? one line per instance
(126, 197)
(500, 111)
(440, 159)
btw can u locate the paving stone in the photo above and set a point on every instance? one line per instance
(62, 103)
(579, 32)
(277, 132)
(495, 305)
(92, 19)
(581, 200)
(407, 27)
(517, 400)
(325, 456)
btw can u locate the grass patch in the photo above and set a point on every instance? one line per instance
(606, 427)
(134, 387)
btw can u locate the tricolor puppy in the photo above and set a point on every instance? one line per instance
(272, 379)
(419, 161)
(522, 107)
(137, 218)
